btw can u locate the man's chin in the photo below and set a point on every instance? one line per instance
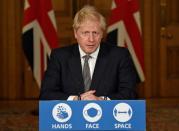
(89, 51)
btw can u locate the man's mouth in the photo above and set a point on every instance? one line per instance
(90, 45)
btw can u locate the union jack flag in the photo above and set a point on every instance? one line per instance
(124, 29)
(39, 35)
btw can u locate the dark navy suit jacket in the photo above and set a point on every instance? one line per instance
(114, 74)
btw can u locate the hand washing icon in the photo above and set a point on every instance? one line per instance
(62, 112)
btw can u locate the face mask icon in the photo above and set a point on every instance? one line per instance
(92, 112)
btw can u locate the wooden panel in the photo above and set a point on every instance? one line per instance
(30, 88)
(171, 13)
(10, 48)
(172, 62)
(62, 7)
(169, 49)
(103, 6)
(150, 27)
(3, 64)
(64, 19)
(14, 81)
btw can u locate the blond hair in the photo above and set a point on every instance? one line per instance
(88, 13)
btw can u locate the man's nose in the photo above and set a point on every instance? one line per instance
(91, 37)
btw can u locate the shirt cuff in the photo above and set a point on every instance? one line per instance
(70, 98)
(105, 98)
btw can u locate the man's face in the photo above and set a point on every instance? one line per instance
(89, 36)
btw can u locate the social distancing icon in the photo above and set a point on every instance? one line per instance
(122, 112)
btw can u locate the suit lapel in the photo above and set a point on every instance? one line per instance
(99, 67)
(76, 70)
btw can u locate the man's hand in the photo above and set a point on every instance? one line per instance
(75, 98)
(89, 95)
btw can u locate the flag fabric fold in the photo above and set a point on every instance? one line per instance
(39, 35)
(124, 29)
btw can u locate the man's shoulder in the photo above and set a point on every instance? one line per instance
(65, 50)
(115, 52)
(113, 48)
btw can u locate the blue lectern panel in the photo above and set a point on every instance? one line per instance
(92, 115)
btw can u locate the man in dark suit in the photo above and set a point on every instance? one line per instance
(109, 71)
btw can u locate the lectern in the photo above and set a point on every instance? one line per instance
(119, 115)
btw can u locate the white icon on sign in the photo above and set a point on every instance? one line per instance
(122, 112)
(92, 112)
(62, 112)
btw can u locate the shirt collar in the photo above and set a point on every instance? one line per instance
(93, 55)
